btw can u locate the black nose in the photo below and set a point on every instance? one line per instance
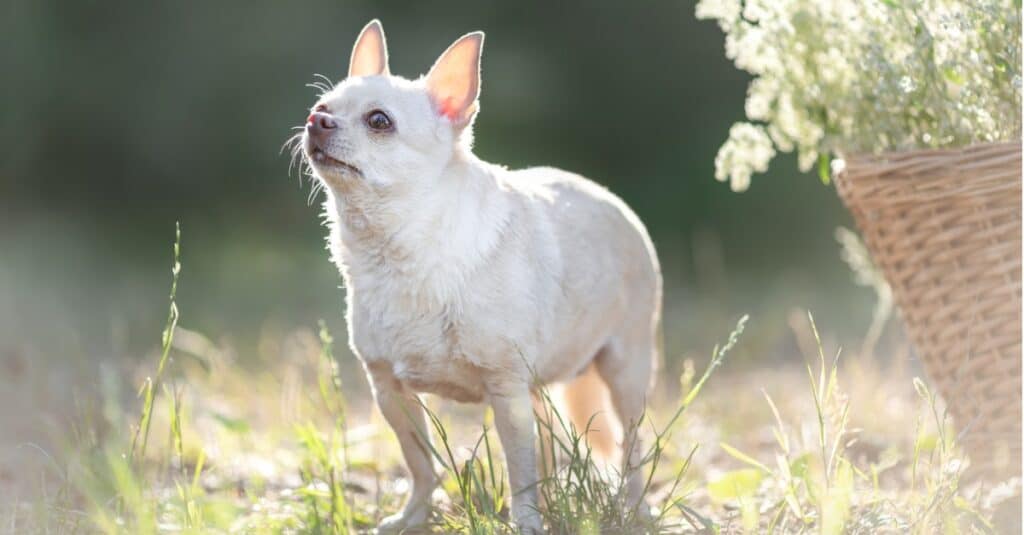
(320, 124)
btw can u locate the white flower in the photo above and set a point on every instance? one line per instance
(748, 150)
(867, 76)
(724, 11)
(760, 98)
(906, 84)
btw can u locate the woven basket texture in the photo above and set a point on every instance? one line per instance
(945, 228)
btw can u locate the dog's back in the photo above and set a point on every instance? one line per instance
(610, 281)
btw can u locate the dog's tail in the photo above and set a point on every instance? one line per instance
(588, 407)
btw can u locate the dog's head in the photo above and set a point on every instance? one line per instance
(382, 129)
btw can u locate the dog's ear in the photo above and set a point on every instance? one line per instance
(454, 80)
(370, 53)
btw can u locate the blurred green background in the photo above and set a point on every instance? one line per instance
(120, 119)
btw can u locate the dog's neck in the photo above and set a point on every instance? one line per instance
(429, 233)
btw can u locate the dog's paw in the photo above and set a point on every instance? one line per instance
(644, 513)
(530, 524)
(398, 522)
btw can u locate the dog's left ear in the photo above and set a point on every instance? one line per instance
(454, 80)
(370, 53)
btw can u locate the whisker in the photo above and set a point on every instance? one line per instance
(294, 146)
(327, 81)
(290, 144)
(319, 86)
(321, 83)
(292, 139)
(296, 159)
(314, 192)
(304, 165)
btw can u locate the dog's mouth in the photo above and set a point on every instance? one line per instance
(321, 158)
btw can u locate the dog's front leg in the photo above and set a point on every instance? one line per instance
(403, 412)
(515, 422)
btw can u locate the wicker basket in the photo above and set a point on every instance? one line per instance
(945, 228)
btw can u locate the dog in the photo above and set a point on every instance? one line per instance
(474, 282)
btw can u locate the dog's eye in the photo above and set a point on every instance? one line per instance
(320, 107)
(378, 120)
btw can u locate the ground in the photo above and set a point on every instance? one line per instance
(833, 444)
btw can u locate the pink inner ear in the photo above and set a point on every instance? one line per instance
(448, 108)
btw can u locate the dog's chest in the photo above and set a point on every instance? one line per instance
(415, 338)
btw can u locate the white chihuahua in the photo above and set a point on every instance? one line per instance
(473, 282)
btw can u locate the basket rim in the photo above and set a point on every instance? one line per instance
(887, 155)
(921, 176)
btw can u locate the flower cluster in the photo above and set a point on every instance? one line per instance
(841, 77)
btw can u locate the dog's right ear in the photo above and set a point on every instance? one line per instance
(454, 81)
(370, 53)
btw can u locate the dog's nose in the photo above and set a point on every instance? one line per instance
(320, 123)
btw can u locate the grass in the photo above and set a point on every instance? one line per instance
(842, 445)
(820, 485)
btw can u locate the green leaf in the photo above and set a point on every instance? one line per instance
(798, 466)
(922, 389)
(740, 456)
(705, 522)
(927, 442)
(736, 484)
(824, 169)
(236, 425)
(953, 76)
(966, 506)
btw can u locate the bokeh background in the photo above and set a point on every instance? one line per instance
(117, 120)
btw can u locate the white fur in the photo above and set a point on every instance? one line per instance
(471, 281)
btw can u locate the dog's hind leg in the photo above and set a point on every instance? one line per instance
(588, 408)
(626, 366)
